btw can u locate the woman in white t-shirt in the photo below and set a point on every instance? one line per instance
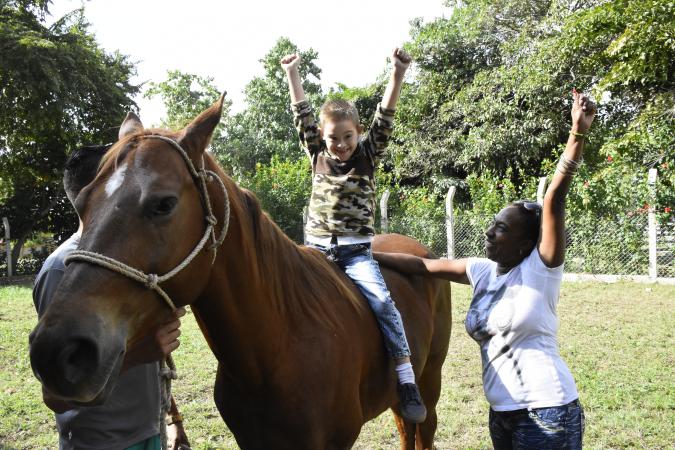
(533, 398)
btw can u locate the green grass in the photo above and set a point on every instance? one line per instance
(616, 338)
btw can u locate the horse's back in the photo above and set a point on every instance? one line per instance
(398, 243)
(424, 303)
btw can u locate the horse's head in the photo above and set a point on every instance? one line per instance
(145, 246)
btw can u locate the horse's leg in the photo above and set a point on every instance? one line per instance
(426, 431)
(430, 388)
(406, 432)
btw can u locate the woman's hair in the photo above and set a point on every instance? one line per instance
(337, 110)
(531, 213)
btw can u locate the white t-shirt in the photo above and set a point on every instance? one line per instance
(513, 318)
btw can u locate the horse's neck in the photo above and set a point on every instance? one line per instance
(241, 311)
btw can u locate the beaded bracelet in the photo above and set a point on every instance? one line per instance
(567, 167)
(577, 134)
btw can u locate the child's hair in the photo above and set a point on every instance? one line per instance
(337, 110)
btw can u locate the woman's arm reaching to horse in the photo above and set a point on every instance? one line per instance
(448, 269)
(552, 241)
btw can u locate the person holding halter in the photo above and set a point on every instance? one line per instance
(129, 419)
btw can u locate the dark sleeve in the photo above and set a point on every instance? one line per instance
(45, 286)
(380, 131)
(308, 130)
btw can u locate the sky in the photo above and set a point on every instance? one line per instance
(226, 39)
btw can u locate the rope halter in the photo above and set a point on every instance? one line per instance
(151, 281)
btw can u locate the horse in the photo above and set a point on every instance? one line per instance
(301, 361)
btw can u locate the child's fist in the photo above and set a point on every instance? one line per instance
(290, 62)
(401, 59)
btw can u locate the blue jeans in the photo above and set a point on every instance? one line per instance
(357, 262)
(539, 428)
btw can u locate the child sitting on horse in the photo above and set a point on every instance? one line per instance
(340, 221)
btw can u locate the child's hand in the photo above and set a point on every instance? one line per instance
(290, 62)
(583, 111)
(401, 59)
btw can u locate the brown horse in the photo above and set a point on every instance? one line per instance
(301, 362)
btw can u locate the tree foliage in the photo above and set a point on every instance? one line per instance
(494, 83)
(265, 128)
(60, 90)
(185, 96)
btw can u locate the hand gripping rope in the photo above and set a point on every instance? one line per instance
(200, 176)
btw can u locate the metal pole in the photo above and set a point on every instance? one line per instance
(450, 221)
(8, 246)
(651, 217)
(384, 214)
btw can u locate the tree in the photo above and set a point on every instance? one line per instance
(185, 96)
(60, 91)
(494, 83)
(265, 128)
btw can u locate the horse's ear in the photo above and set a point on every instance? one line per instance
(196, 136)
(130, 125)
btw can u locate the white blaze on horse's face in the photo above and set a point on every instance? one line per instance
(115, 180)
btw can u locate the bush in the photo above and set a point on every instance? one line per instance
(24, 266)
(283, 188)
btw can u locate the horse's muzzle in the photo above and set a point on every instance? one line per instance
(72, 363)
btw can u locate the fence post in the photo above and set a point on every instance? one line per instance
(8, 246)
(450, 221)
(541, 190)
(305, 211)
(384, 214)
(651, 217)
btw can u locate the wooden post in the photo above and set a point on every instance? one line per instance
(450, 221)
(8, 246)
(651, 217)
(384, 215)
(541, 190)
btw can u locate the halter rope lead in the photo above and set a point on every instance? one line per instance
(167, 371)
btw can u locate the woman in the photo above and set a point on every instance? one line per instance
(533, 398)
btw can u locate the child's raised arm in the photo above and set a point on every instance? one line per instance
(290, 64)
(401, 61)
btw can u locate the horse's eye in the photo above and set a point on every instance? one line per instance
(164, 206)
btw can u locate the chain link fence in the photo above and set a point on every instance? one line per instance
(596, 246)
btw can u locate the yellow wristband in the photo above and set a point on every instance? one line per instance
(579, 135)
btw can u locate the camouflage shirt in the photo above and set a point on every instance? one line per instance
(343, 193)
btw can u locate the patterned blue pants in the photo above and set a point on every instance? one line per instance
(357, 262)
(538, 429)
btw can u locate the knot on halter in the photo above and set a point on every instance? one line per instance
(169, 374)
(211, 220)
(151, 281)
(204, 174)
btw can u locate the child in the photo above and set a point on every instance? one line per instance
(341, 209)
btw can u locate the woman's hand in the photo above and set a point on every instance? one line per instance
(583, 112)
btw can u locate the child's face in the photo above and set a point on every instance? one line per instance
(341, 137)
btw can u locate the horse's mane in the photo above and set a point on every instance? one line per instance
(299, 277)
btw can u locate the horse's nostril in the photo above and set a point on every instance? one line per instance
(78, 359)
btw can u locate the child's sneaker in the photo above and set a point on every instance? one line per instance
(412, 406)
